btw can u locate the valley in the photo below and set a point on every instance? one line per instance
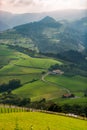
(32, 73)
(43, 66)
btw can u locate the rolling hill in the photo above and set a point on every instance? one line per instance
(28, 70)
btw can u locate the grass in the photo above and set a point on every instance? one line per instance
(37, 62)
(26, 68)
(40, 121)
(72, 101)
(8, 109)
(38, 90)
(23, 78)
(18, 64)
(14, 70)
(75, 83)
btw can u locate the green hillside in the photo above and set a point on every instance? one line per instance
(75, 84)
(19, 63)
(40, 121)
(29, 71)
(54, 87)
(38, 90)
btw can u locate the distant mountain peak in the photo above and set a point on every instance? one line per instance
(48, 19)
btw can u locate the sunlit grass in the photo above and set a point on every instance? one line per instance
(40, 121)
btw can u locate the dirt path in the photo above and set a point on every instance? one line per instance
(43, 79)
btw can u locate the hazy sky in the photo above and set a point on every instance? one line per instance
(21, 6)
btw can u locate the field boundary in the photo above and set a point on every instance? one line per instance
(48, 73)
(25, 109)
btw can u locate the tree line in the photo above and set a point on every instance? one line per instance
(13, 99)
(11, 85)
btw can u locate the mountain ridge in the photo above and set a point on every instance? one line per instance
(18, 19)
(49, 36)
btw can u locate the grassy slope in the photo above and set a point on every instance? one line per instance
(79, 101)
(19, 63)
(23, 67)
(40, 121)
(76, 85)
(39, 89)
(26, 69)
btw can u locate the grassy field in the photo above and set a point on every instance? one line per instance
(23, 67)
(38, 90)
(37, 62)
(9, 109)
(39, 121)
(74, 84)
(16, 64)
(25, 78)
(72, 101)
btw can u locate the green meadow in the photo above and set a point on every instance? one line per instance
(73, 101)
(39, 121)
(74, 83)
(26, 69)
(15, 63)
(38, 90)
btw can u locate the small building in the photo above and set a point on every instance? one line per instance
(68, 96)
(57, 72)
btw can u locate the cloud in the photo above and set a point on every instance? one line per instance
(0, 3)
(19, 6)
(21, 2)
(16, 2)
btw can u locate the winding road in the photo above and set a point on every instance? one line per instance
(48, 73)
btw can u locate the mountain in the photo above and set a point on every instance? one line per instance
(3, 26)
(6, 17)
(18, 19)
(81, 27)
(48, 19)
(47, 35)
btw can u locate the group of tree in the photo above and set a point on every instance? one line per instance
(70, 69)
(12, 99)
(66, 108)
(28, 51)
(12, 84)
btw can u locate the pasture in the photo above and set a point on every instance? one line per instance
(26, 69)
(74, 84)
(15, 64)
(38, 90)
